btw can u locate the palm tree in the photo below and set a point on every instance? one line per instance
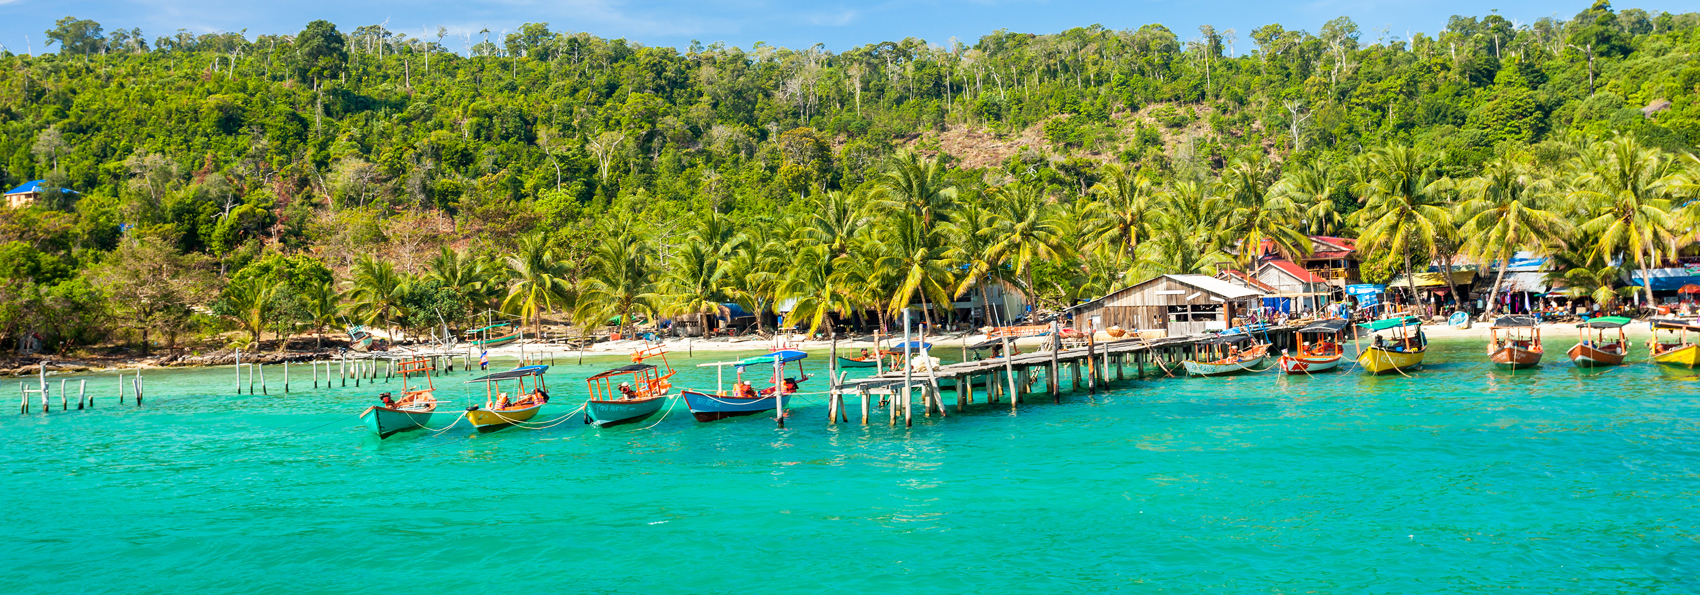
(915, 254)
(1312, 191)
(1186, 233)
(249, 302)
(619, 281)
(540, 282)
(1503, 214)
(1127, 200)
(1402, 213)
(1625, 188)
(1027, 229)
(973, 233)
(695, 283)
(818, 288)
(917, 185)
(1260, 215)
(323, 304)
(376, 292)
(470, 276)
(758, 269)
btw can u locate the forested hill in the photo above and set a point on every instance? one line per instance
(339, 143)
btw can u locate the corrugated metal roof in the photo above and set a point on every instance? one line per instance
(1216, 286)
(30, 186)
(1297, 272)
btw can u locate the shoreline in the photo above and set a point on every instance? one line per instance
(1639, 331)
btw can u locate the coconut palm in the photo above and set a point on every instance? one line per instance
(817, 287)
(1312, 191)
(1186, 233)
(249, 302)
(619, 282)
(973, 234)
(1259, 215)
(695, 283)
(1503, 213)
(323, 303)
(1127, 197)
(917, 185)
(468, 275)
(914, 251)
(540, 283)
(376, 292)
(1027, 229)
(1403, 212)
(1625, 188)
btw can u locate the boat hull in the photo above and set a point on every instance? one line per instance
(1308, 364)
(1681, 357)
(498, 341)
(604, 414)
(845, 362)
(1375, 360)
(1588, 356)
(385, 421)
(707, 407)
(1215, 369)
(485, 420)
(1515, 358)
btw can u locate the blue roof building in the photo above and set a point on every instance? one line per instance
(27, 193)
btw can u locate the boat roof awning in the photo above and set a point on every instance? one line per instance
(1675, 325)
(1326, 327)
(913, 345)
(1515, 322)
(626, 369)
(1388, 323)
(987, 344)
(1606, 322)
(1225, 339)
(1431, 280)
(511, 374)
(492, 327)
(785, 355)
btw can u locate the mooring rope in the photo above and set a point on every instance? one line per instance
(672, 402)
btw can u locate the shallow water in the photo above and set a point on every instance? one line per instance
(1459, 479)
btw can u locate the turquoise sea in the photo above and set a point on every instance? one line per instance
(1461, 479)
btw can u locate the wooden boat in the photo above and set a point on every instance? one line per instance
(362, 340)
(500, 410)
(1514, 343)
(1682, 353)
(1405, 350)
(1597, 351)
(847, 362)
(413, 411)
(494, 335)
(1322, 355)
(1227, 354)
(746, 400)
(631, 400)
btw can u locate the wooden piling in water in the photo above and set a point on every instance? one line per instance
(82, 389)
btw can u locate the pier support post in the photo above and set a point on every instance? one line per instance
(864, 395)
(238, 377)
(82, 389)
(1056, 369)
(65, 401)
(286, 377)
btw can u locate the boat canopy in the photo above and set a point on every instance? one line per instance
(1387, 323)
(1326, 327)
(1515, 322)
(913, 345)
(1675, 325)
(1606, 322)
(512, 374)
(626, 369)
(1226, 339)
(784, 356)
(987, 344)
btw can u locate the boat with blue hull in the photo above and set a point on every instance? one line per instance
(641, 391)
(412, 412)
(744, 399)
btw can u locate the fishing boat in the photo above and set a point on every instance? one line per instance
(494, 335)
(1401, 350)
(1321, 355)
(412, 411)
(1226, 354)
(1682, 353)
(1597, 351)
(1514, 343)
(362, 340)
(745, 399)
(640, 395)
(857, 362)
(500, 410)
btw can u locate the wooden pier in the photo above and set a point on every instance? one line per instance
(1094, 367)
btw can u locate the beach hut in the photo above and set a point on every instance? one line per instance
(1296, 288)
(1177, 304)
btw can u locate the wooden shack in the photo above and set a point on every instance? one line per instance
(1178, 304)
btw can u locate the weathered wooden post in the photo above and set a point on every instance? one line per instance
(238, 376)
(64, 401)
(864, 394)
(1056, 368)
(263, 389)
(1008, 369)
(778, 390)
(82, 390)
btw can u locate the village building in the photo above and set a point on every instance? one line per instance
(1176, 304)
(1331, 258)
(28, 193)
(1296, 289)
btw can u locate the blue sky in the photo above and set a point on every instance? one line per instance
(838, 24)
